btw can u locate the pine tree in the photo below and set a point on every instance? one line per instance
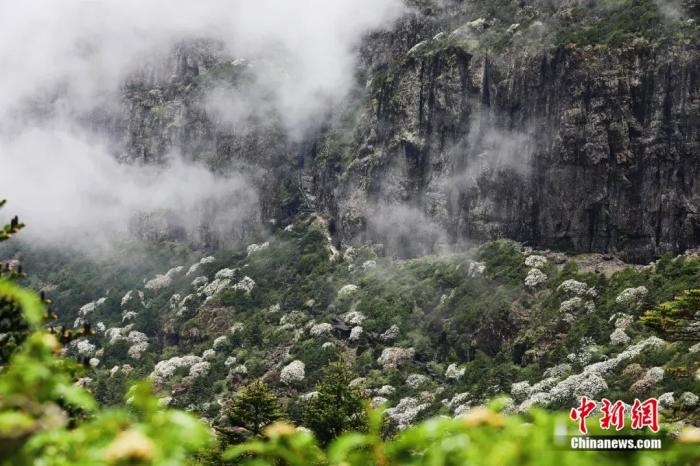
(254, 407)
(13, 327)
(338, 407)
(678, 319)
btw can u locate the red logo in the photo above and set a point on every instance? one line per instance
(582, 412)
(612, 414)
(646, 414)
(643, 414)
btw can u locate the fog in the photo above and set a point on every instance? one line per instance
(64, 59)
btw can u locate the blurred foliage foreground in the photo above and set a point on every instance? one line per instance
(47, 419)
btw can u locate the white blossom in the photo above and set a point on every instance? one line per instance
(689, 399)
(136, 337)
(321, 329)
(137, 350)
(246, 284)
(476, 269)
(394, 357)
(667, 400)
(406, 411)
(571, 305)
(346, 291)
(309, 396)
(520, 390)
(225, 273)
(293, 372)
(166, 369)
(354, 318)
(632, 297)
(129, 315)
(253, 248)
(89, 308)
(220, 342)
(619, 337)
(536, 261)
(573, 287)
(85, 348)
(230, 361)
(454, 373)
(390, 334)
(385, 390)
(535, 277)
(369, 265)
(377, 401)
(560, 370)
(199, 369)
(200, 281)
(209, 354)
(416, 380)
(355, 333)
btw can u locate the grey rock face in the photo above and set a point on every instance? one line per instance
(573, 148)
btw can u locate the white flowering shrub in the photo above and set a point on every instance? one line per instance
(454, 373)
(536, 261)
(689, 400)
(166, 369)
(476, 269)
(163, 281)
(571, 306)
(246, 284)
(135, 337)
(253, 248)
(632, 297)
(667, 400)
(573, 287)
(416, 380)
(535, 278)
(220, 343)
(377, 401)
(346, 291)
(560, 370)
(355, 333)
(405, 412)
(650, 379)
(321, 329)
(209, 354)
(385, 390)
(135, 351)
(369, 265)
(391, 334)
(199, 369)
(395, 357)
(619, 337)
(230, 361)
(520, 390)
(89, 308)
(354, 318)
(84, 347)
(293, 372)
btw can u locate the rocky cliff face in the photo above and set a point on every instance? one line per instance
(580, 148)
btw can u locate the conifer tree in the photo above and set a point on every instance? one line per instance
(254, 407)
(339, 407)
(678, 319)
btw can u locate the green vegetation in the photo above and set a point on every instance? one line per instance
(254, 407)
(337, 406)
(678, 319)
(469, 309)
